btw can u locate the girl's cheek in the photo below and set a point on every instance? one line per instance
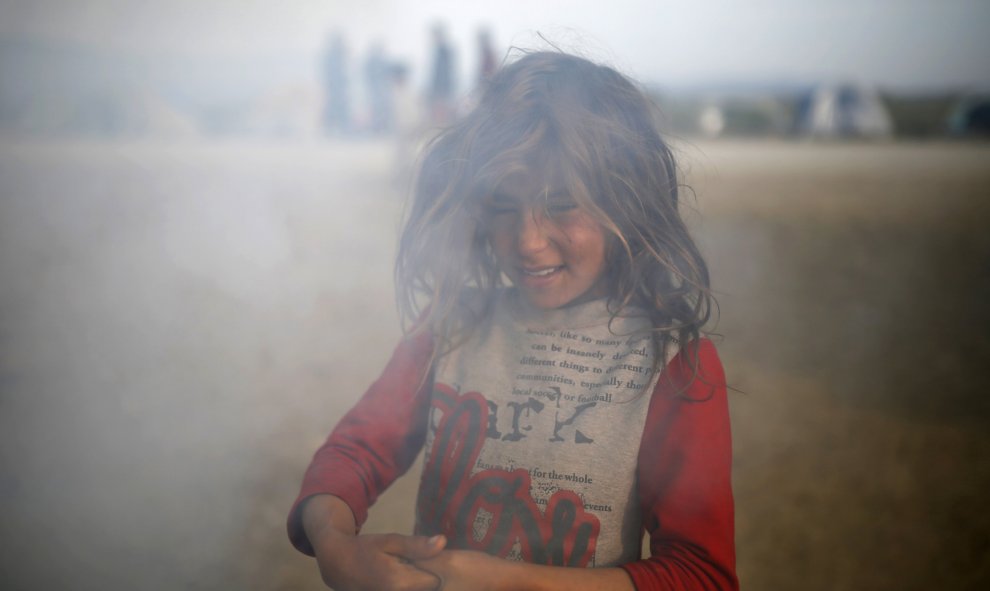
(584, 226)
(500, 232)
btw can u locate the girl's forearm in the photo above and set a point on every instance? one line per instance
(467, 570)
(358, 562)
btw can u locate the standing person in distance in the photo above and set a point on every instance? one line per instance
(441, 92)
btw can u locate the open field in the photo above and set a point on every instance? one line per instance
(181, 325)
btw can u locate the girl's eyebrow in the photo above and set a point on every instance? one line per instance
(557, 194)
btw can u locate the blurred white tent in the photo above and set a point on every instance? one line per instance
(844, 110)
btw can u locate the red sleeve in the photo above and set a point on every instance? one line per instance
(684, 479)
(375, 442)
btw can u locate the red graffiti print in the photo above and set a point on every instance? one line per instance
(451, 499)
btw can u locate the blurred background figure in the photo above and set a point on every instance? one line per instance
(407, 123)
(379, 87)
(487, 64)
(336, 112)
(441, 91)
(486, 56)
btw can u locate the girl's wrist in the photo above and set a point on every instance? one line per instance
(510, 576)
(325, 517)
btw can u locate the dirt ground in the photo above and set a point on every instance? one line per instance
(181, 325)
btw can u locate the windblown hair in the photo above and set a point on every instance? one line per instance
(594, 131)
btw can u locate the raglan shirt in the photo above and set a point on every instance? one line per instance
(547, 441)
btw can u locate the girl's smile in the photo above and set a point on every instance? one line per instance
(549, 247)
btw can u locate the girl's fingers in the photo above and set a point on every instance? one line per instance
(413, 548)
(411, 578)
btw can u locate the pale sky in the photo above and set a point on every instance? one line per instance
(903, 43)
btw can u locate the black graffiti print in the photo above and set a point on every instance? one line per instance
(493, 432)
(558, 424)
(517, 409)
(520, 413)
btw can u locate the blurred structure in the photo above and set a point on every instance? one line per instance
(971, 117)
(336, 109)
(751, 116)
(728, 110)
(441, 89)
(920, 114)
(843, 110)
(793, 110)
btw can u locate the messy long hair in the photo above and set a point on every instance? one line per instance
(589, 126)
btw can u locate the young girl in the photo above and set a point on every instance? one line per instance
(555, 374)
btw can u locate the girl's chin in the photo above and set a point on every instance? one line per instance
(554, 290)
(552, 299)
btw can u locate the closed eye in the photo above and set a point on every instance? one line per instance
(499, 204)
(558, 202)
(558, 208)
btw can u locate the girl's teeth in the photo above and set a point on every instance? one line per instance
(542, 273)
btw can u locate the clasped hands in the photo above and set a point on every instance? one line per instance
(395, 562)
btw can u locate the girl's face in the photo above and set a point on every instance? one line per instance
(549, 247)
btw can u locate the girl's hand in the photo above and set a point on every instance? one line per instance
(465, 570)
(376, 562)
(350, 562)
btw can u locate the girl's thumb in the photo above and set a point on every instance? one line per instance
(438, 542)
(420, 548)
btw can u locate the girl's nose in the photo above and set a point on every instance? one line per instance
(531, 233)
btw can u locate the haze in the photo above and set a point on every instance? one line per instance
(893, 43)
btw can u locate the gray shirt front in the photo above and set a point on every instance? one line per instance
(534, 433)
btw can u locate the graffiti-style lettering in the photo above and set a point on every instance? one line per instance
(579, 437)
(493, 432)
(451, 498)
(517, 409)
